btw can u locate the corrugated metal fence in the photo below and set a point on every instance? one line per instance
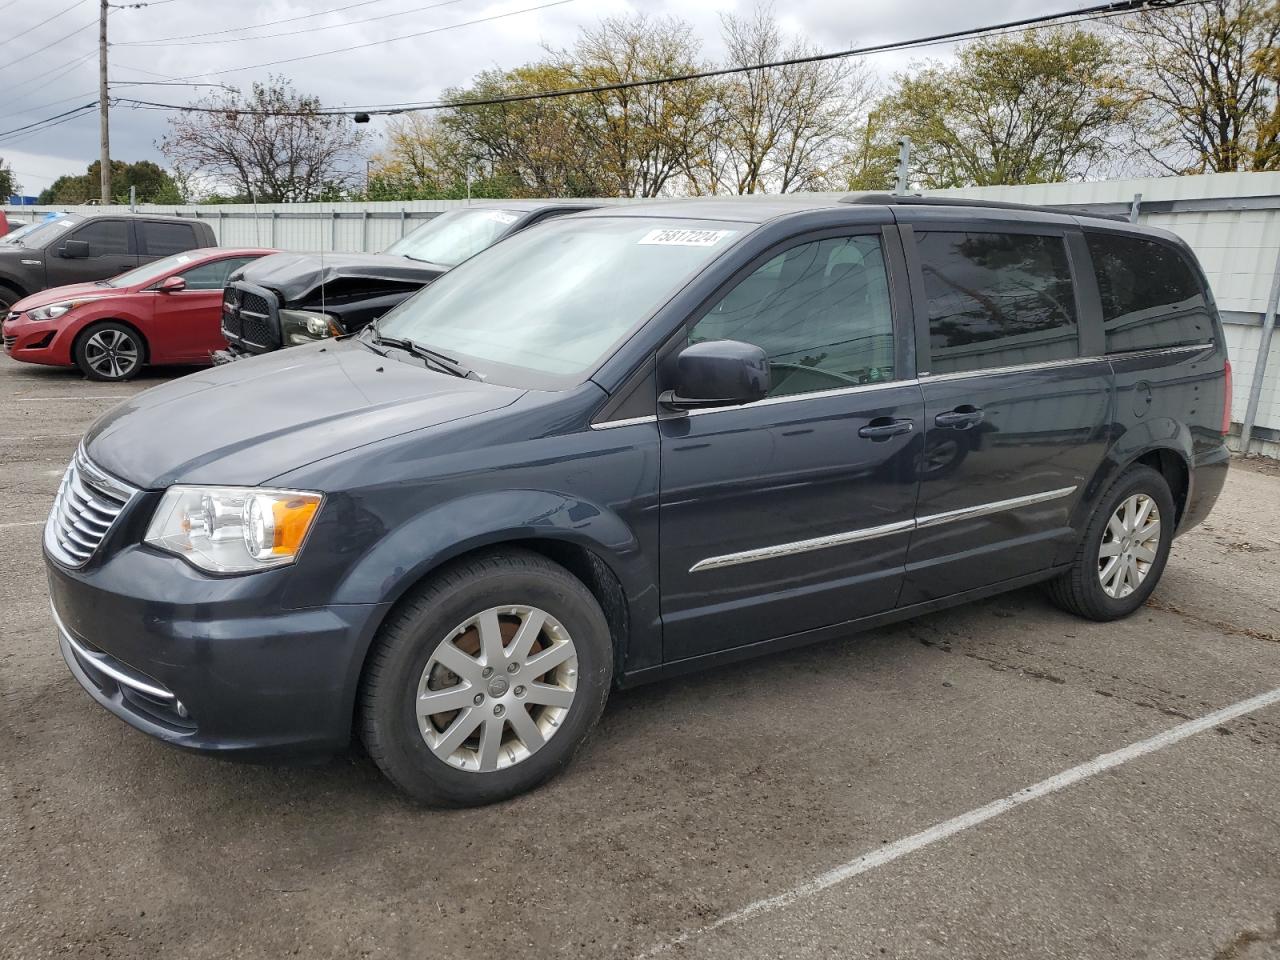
(1232, 221)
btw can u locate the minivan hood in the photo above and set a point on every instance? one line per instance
(251, 420)
(294, 275)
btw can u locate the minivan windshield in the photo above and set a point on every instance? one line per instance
(547, 304)
(48, 231)
(453, 237)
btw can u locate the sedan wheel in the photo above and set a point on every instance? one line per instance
(109, 351)
(497, 688)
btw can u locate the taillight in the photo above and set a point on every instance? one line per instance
(1226, 398)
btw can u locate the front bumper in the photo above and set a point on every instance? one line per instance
(38, 341)
(211, 664)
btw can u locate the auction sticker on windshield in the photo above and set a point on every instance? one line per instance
(685, 238)
(501, 216)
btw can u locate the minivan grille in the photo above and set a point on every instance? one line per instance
(86, 507)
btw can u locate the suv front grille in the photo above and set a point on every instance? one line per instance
(249, 317)
(86, 507)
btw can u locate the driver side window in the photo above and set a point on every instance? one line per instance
(820, 311)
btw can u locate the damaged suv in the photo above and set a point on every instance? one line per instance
(295, 298)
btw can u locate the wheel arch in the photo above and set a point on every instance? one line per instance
(124, 322)
(591, 542)
(1164, 444)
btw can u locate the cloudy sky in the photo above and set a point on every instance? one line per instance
(389, 65)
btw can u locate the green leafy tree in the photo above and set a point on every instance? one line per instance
(152, 185)
(1204, 78)
(8, 186)
(1028, 108)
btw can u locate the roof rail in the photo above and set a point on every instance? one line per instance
(902, 199)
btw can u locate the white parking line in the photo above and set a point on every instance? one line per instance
(948, 828)
(21, 523)
(47, 436)
(107, 396)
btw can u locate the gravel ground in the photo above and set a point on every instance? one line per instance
(697, 797)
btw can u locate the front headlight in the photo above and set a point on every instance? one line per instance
(233, 529)
(55, 310)
(304, 326)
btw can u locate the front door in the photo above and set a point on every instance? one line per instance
(794, 512)
(187, 325)
(1016, 417)
(111, 252)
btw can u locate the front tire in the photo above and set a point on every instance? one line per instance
(110, 352)
(1124, 549)
(8, 297)
(485, 680)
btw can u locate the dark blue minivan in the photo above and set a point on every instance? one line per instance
(632, 442)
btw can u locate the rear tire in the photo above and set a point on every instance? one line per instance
(515, 653)
(1124, 549)
(109, 351)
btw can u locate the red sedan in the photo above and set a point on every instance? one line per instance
(166, 311)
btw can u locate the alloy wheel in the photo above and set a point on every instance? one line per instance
(497, 688)
(111, 353)
(1129, 546)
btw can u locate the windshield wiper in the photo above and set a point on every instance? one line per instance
(431, 357)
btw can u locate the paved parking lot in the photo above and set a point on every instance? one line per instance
(706, 816)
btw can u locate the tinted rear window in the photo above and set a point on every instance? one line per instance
(997, 300)
(162, 239)
(1151, 298)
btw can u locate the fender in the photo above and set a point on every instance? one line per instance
(1159, 433)
(452, 528)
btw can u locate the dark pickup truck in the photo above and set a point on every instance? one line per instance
(295, 298)
(76, 249)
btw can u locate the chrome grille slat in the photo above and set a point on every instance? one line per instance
(86, 507)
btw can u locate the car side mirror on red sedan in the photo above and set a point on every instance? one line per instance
(172, 285)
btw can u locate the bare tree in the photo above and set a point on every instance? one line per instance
(1205, 77)
(784, 128)
(273, 143)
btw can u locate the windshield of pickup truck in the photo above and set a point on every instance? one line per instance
(453, 237)
(49, 230)
(568, 292)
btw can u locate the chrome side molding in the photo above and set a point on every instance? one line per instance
(884, 530)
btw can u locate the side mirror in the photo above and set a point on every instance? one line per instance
(75, 250)
(718, 373)
(172, 285)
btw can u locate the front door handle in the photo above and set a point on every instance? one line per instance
(961, 418)
(882, 428)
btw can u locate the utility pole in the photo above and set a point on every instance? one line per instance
(103, 125)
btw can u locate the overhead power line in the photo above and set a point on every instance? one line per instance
(53, 43)
(285, 33)
(68, 9)
(48, 120)
(267, 23)
(374, 43)
(1099, 11)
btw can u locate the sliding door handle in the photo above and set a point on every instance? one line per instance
(882, 428)
(961, 418)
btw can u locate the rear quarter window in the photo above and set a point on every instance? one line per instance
(163, 239)
(1151, 297)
